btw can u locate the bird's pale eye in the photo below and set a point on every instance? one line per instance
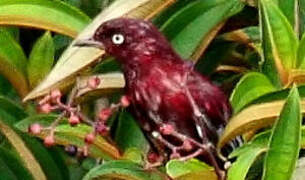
(118, 39)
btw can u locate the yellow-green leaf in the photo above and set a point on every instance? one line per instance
(253, 118)
(44, 14)
(27, 157)
(13, 62)
(67, 135)
(188, 29)
(189, 170)
(41, 59)
(284, 143)
(279, 41)
(123, 169)
(250, 87)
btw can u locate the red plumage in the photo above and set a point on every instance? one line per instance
(162, 87)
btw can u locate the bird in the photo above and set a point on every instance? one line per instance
(179, 109)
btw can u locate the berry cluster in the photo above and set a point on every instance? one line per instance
(53, 102)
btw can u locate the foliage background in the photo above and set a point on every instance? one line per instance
(254, 50)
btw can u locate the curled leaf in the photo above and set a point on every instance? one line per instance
(253, 118)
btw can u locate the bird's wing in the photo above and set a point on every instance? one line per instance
(211, 108)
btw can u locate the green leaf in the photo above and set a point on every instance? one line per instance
(67, 135)
(192, 169)
(123, 170)
(14, 32)
(240, 168)
(13, 62)
(131, 137)
(250, 151)
(12, 108)
(27, 157)
(134, 155)
(284, 143)
(41, 59)
(250, 87)
(46, 159)
(288, 7)
(187, 29)
(44, 14)
(5, 172)
(16, 166)
(279, 42)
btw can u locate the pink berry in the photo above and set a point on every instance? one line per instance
(167, 129)
(55, 94)
(105, 114)
(49, 141)
(35, 129)
(101, 129)
(45, 108)
(187, 145)
(175, 155)
(74, 120)
(125, 101)
(152, 157)
(90, 138)
(93, 82)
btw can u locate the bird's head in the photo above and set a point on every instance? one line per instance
(130, 40)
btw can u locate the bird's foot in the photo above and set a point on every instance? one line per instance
(188, 144)
(153, 160)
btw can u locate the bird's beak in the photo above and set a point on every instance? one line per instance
(89, 43)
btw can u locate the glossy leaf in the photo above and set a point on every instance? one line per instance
(280, 42)
(240, 168)
(41, 59)
(132, 136)
(27, 157)
(12, 108)
(289, 9)
(134, 154)
(47, 158)
(284, 143)
(253, 118)
(250, 151)
(67, 135)
(13, 162)
(109, 83)
(50, 15)
(188, 31)
(192, 169)
(278, 95)
(13, 62)
(250, 87)
(124, 170)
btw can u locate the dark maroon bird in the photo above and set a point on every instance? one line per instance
(180, 109)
